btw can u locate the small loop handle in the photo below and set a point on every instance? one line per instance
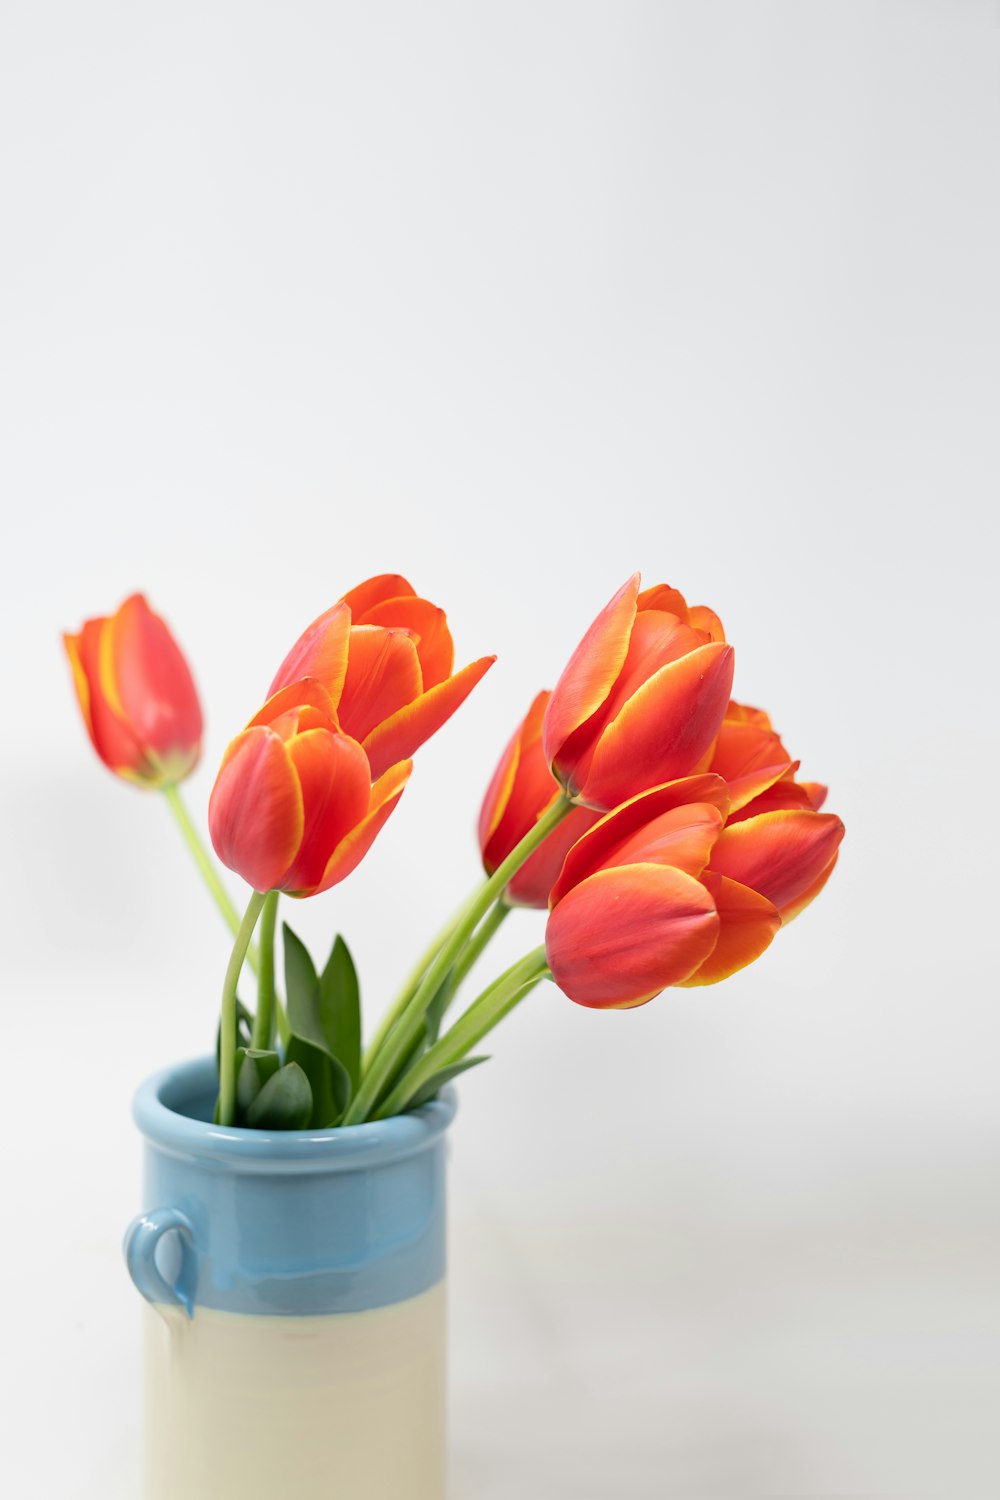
(141, 1239)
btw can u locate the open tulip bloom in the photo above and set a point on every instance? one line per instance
(659, 823)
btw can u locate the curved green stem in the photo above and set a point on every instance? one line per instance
(409, 989)
(404, 1034)
(227, 1039)
(205, 863)
(496, 1001)
(474, 949)
(263, 1025)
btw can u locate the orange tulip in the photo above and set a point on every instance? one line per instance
(776, 844)
(630, 914)
(293, 807)
(521, 789)
(137, 696)
(642, 698)
(385, 657)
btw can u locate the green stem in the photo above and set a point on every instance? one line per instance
(206, 864)
(496, 1001)
(409, 989)
(404, 1034)
(227, 1041)
(474, 948)
(263, 1025)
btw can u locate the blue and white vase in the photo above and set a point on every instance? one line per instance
(295, 1341)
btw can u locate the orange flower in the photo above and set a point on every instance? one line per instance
(642, 698)
(629, 912)
(776, 844)
(385, 657)
(137, 696)
(293, 807)
(521, 789)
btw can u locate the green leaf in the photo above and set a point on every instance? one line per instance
(434, 1014)
(308, 1021)
(284, 1102)
(340, 1009)
(254, 1068)
(329, 1082)
(440, 1078)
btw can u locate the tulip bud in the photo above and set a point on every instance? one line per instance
(137, 696)
(293, 807)
(641, 699)
(385, 657)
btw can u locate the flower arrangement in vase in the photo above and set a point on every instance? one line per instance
(291, 1244)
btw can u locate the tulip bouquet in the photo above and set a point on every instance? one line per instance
(660, 823)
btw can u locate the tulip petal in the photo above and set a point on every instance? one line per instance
(661, 596)
(113, 740)
(320, 652)
(429, 627)
(780, 854)
(591, 671)
(750, 758)
(697, 805)
(783, 796)
(255, 812)
(625, 934)
(351, 851)
(747, 923)
(700, 617)
(663, 729)
(383, 675)
(816, 792)
(335, 780)
(657, 639)
(148, 684)
(307, 691)
(793, 908)
(742, 713)
(397, 737)
(374, 591)
(501, 786)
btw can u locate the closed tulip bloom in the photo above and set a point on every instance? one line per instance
(521, 789)
(630, 914)
(642, 698)
(137, 696)
(776, 844)
(386, 658)
(294, 807)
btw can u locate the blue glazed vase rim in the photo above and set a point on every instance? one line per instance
(161, 1105)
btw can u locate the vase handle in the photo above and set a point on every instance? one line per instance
(141, 1240)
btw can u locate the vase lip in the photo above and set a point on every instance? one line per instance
(158, 1113)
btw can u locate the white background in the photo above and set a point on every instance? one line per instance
(514, 299)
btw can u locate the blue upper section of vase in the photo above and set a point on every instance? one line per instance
(289, 1222)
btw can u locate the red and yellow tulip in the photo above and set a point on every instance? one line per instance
(137, 695)
(521, 789)
(621, 929)
(385, 657)
(294, 808)
(642, 698)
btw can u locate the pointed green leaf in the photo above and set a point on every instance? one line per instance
(284, 1102)
(329, 1082)
(307, 1021)
(434, 1014)
(254, 1068)
(340, 1009)
(440, 1078)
